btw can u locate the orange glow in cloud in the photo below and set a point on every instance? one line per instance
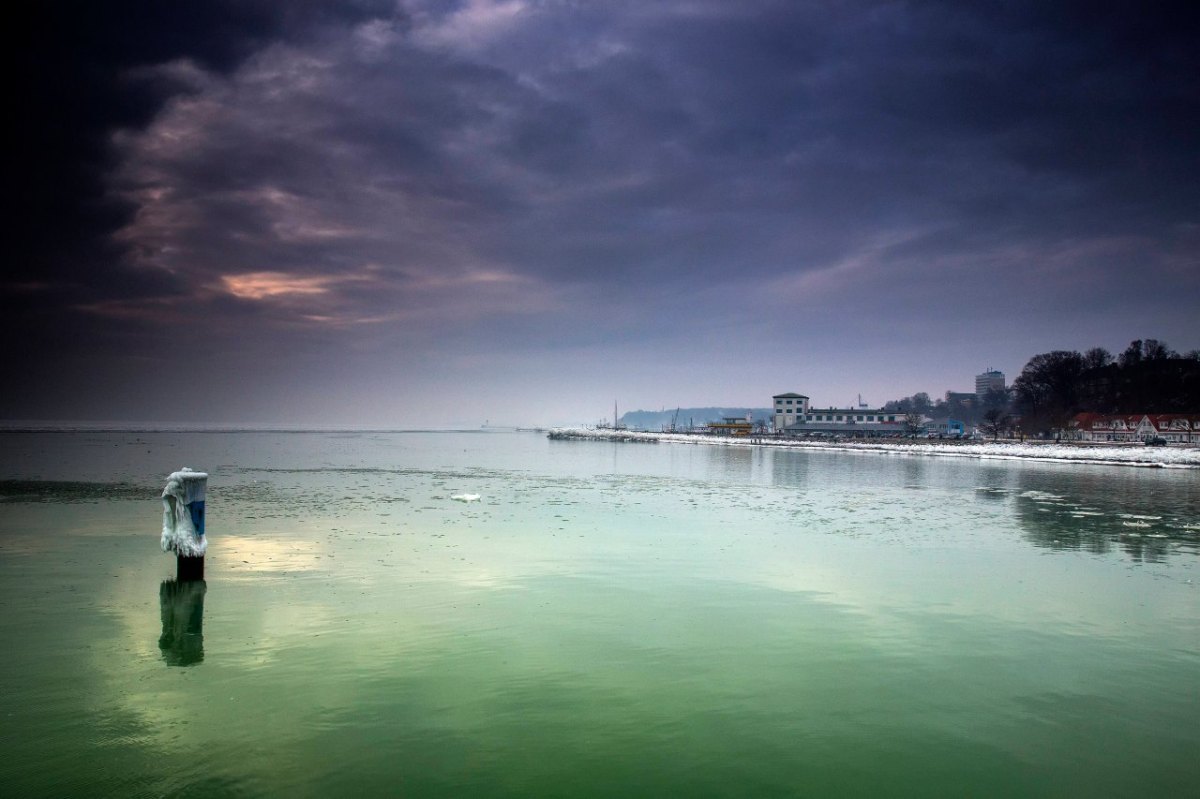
(261, 285)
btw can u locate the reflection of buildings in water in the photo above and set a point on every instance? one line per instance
(1047, 524)
(789, 467)
(915, 470)
(728, 463)
(734, 462)
(1092, 511)
(993, 481)
(1141, 548)
(182, 606)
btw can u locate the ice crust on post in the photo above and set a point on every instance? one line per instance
(183, 513)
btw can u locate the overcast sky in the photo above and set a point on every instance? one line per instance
(427, 213)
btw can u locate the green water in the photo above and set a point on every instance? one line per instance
(609, 619)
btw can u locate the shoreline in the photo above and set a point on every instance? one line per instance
(1176, 457)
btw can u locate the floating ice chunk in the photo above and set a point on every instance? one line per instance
(1041, 496)
(183, 513)
(465, 497)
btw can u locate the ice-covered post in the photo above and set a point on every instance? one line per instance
(183, 522)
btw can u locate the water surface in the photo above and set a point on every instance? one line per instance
(608, 618)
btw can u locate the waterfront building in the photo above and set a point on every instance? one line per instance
(945, 428)
(991, 380)
(789, 408)
(966, 399)
(1172, 427)
(732, 426)
(794, 416)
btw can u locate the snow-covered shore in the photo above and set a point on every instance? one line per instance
(1177, 457)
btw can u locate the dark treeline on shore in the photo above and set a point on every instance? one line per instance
(964, 407)
(1147, 377)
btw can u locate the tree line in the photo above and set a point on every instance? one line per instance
(1148, 377)
(964, 407)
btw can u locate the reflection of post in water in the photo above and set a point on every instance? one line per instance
(182, 606)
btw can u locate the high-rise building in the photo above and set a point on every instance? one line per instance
(988, 381)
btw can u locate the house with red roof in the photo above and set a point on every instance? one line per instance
(1173, 427)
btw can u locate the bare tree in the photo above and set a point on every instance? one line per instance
(995, 421)
(1046, 393)
(1155, 350)
(1097, 358)
(914, 423)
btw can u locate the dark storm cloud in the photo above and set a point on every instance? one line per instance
(72, 64)
(552, 174)
(77, 70)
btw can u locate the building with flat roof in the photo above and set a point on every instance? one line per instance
(991, 380)
(732, 426)
(794, 416)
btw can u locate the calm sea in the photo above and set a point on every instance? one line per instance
(607, 620)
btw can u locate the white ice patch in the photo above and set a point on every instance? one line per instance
(179, 534)
(1041, 496)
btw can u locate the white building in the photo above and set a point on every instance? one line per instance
(1174, 427)
(991, 380)
(794, 416)
(789, 409)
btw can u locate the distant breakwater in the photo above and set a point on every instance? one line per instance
(583, 434)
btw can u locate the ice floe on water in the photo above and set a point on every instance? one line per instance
(1179, 457)
(1042, 496)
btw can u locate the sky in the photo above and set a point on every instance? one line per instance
(440, 214)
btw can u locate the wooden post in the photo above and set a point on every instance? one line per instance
(187, 569)
(183, 522)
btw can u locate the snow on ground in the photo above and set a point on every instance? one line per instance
(1179, 457)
